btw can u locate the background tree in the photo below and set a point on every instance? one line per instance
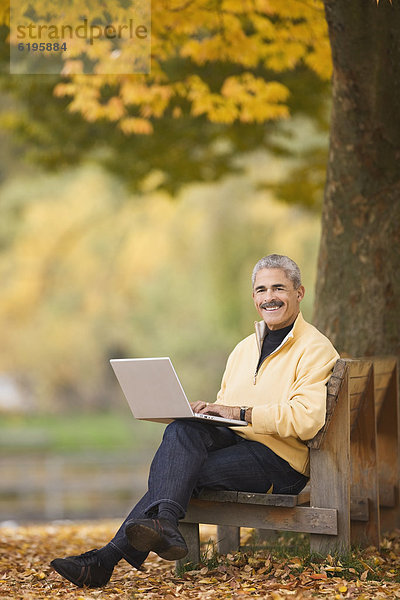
(358, 284)
(211, 60)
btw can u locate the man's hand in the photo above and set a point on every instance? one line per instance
(220, 410)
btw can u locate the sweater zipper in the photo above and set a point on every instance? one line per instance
(289, 335)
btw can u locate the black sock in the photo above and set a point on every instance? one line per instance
(109, 555)
(169, 511)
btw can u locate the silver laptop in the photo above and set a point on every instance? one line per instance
(154, 392)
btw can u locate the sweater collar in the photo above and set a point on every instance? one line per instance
(261, 330)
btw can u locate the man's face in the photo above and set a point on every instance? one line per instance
(276, 300)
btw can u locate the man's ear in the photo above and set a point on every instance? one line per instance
(300, 293)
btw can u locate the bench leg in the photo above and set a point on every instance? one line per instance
(330, 476)
(364, 472)
(228, 539)
(389, 456)
(190, 532)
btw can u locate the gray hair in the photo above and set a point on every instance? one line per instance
(278, 261)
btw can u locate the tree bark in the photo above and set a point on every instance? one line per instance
(358, 281)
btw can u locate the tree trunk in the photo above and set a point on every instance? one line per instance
(358, 282)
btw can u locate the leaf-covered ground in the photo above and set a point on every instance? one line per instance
(25, 553)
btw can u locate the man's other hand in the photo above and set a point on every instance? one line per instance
(219, 410)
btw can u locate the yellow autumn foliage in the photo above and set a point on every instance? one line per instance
(269, 34)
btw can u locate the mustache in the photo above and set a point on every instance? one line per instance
(272, 304)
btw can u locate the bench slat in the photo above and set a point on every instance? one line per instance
(298, 518)
(384, 364)
(268, 499)
(358, 384)
(387, 495)
(358, 506)
(249, 498)
(333, 388)
(359, 367)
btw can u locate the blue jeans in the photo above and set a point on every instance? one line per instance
(193, 456)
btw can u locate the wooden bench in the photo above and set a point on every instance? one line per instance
(353, 492)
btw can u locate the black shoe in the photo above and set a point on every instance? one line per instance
(84, 570)
(159, 535)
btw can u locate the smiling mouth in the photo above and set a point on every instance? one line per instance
(271, 307)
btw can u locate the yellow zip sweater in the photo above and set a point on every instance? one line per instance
(288, 394)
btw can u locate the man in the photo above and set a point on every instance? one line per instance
(274, 379)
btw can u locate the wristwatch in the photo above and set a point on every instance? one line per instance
(243, 413)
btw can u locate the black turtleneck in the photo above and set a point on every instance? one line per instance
(272, 339)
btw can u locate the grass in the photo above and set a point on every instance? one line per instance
(293, 549)
(358, 562)
(282, 545)
(209, 558)
(77, 433)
